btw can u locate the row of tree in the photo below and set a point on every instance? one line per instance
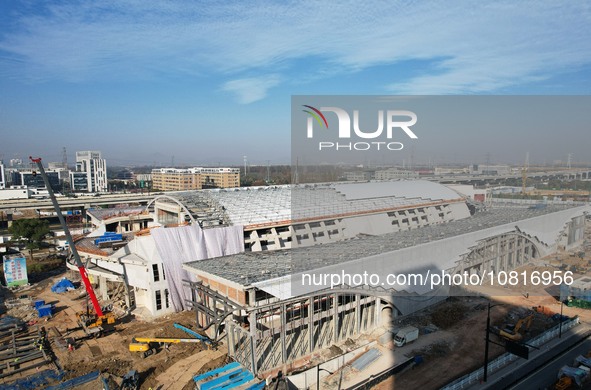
(31, 232)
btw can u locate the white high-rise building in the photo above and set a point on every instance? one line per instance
(90, 174)
(2, 176)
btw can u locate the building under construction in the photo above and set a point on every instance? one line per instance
(238, 258)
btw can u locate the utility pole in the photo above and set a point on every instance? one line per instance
(487, 340)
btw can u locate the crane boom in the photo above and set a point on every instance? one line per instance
(81, 268)
(166, 340)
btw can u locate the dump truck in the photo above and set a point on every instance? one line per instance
(406, 335)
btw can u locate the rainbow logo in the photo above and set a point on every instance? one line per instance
(317, 115)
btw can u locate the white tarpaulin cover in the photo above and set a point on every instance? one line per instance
(179, 245)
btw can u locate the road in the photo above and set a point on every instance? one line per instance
(546, 375)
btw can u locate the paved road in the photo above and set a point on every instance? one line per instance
(546, 375)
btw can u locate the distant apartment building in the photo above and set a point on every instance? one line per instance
(2, 176)
(394, 174)
(62, 169)
(440, 171)
(33, 179)
(90, 174)
(16, 163)
(358, 175)
(173, 179)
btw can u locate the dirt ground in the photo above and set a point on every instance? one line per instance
(465, 352)
(110, 353)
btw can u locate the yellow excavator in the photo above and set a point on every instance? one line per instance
(512, 332)
(148, 345)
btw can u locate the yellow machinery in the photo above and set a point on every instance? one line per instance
(563, 383)
(93, 324)
(146, 345)
(513, 334)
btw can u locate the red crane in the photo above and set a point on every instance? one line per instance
(81, 268)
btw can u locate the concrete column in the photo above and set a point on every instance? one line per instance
(357, 313)
(310, 324)
(378, 313)
(335, 317)
(252, 297)
(253, 343)
(283, 316)
(230, 338)
(500, 265)
(103, 287)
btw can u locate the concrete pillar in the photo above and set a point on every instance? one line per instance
(357, 313)
(311, 324)
(103, 287)
(230, 338)
(253, 343)
(335, 317)
(378, 312)
(283, 316)
(252, 297)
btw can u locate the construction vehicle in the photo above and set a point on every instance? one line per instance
(92, 320)
(564, 383)
(406, 335)
(569, 376)
(512, 332)
(130, 381)
(92, 324)
(149, 345)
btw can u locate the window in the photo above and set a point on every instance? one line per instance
(166, 300)
(156, 274)
(158, 300)
(163, 274)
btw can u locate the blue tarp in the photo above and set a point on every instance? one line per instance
(62, 286)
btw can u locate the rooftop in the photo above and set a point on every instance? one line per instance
(252, 267)
(259, 205)
(104, 214)
(86, 245)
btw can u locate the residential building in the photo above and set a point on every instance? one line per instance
(90, 174)
(173, 179)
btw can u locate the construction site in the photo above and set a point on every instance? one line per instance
(204, 289)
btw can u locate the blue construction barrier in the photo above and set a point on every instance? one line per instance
(192, 333)
(222, 380)
(217, 371)
(241, 379)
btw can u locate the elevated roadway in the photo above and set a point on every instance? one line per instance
(78, 203)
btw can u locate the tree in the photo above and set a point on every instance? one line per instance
(30, 231)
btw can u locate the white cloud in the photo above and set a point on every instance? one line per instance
(479, 47)
(250, 90)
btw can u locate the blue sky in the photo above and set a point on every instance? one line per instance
(143, 81)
